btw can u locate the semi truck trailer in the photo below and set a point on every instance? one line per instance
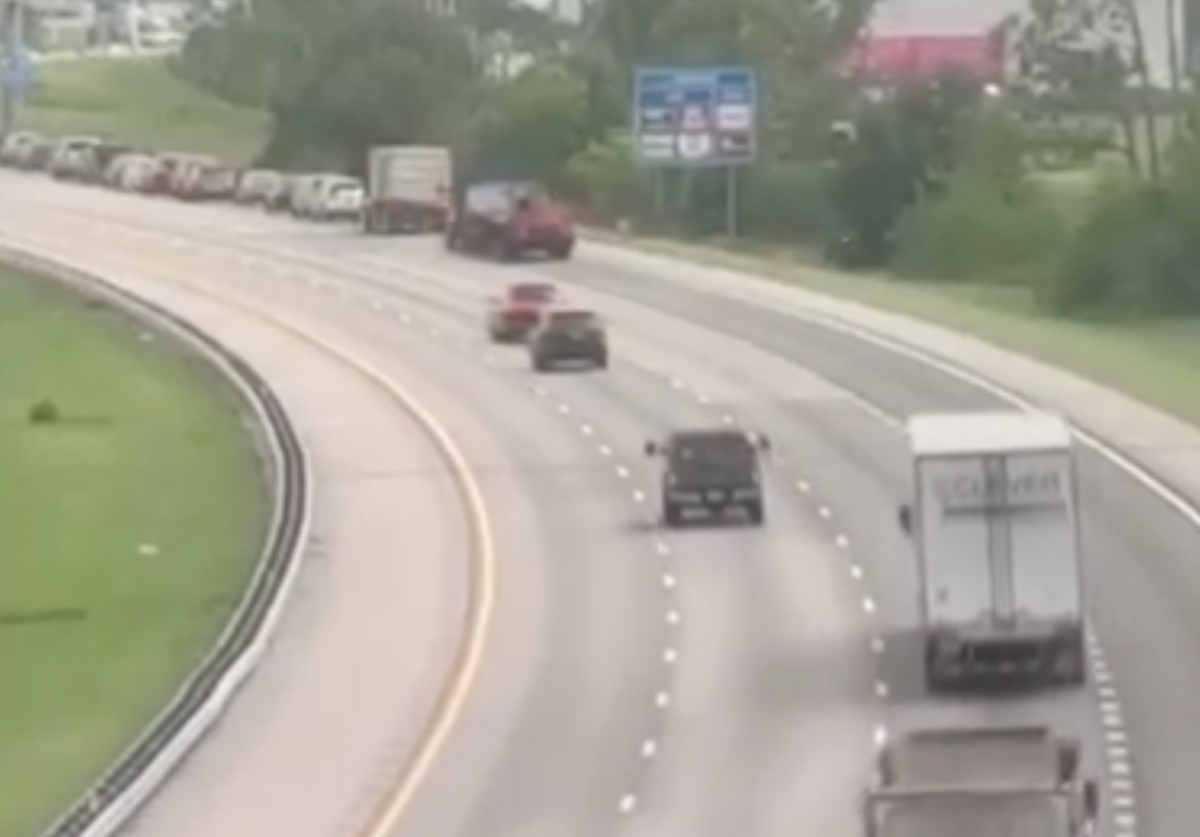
(954, 782)
(995, 527)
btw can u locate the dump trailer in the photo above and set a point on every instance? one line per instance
(408, 189)
(982, 782)
(994, 522)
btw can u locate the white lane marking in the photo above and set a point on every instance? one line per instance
(638, 496)
(605, 451)
(856, 571)
(881, 689)
(622, 472)
(668, 581)
(662, 548)
(586, 429)
(662, 700)
(824, 512)
(564, 409)
(649, 748)
(842, 542)
(728, 419)
(670, 656)
(803, 486)
(877, 645)
(868, 605)
(673, 617)
(627, 804)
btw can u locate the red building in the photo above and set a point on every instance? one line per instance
(899, 57)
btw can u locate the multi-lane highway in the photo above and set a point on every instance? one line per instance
(629, 681)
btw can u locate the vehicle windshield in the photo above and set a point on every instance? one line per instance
(531, 293)
(723, 455)
(574, 319)
(346, 188)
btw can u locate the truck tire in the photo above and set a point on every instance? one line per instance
(601, 360)
(672, 515)
(540, 364)
(1075, 672)
(507, 251)
(756, 513)
(935, 678)
(561, 251)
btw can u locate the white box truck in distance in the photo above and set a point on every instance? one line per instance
(408, 189)
(994, 522)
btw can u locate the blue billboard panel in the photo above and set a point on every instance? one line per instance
(695, 116)
(17, 71)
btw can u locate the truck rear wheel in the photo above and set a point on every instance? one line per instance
(672, 515)
(755, 512)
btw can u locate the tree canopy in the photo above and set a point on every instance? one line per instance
(936, 178)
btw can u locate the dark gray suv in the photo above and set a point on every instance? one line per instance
(568, 335)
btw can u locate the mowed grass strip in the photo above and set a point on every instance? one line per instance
(138, 100)
(130, 527)
(1155, 362)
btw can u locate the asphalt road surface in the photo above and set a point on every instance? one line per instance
(634, 682)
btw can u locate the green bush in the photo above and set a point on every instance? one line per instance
(976, 232)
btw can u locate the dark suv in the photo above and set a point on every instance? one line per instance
(565, 335)
(711, 471)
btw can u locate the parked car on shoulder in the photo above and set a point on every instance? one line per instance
(255, 186)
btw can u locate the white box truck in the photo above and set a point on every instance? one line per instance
(1023, 781)
(408, 189)
(994, 521)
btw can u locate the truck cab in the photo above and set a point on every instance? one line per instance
(994, 525)
(711, 472)
(509, 220)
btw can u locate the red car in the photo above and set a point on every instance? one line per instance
(514, 315)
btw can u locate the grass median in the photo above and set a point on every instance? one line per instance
(132, 518)
(1158, 363)
(139, 101)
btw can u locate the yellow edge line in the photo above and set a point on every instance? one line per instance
(455, 690)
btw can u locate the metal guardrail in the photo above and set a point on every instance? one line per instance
(130, 781)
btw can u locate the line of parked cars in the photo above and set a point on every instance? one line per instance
(182, 175)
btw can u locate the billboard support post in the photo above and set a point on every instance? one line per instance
(697, 118)
(731, 202)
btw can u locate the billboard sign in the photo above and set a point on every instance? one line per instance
(17, 71)
(695, 116)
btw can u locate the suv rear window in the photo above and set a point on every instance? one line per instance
(568, 319)
(711, 447)
(532, 293)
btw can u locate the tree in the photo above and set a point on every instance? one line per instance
(1086, 59)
